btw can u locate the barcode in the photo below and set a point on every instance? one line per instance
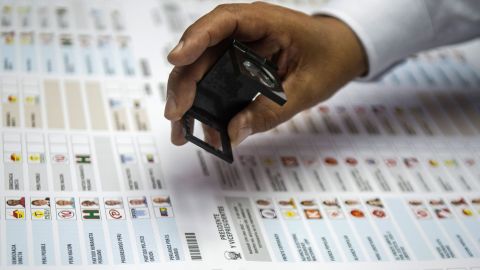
(193, 247)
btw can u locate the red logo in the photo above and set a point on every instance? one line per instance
(66, 214)
(115, 214)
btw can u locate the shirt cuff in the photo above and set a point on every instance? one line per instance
(388, 30)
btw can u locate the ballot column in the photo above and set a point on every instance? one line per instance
(273, 229)
(144, 237)
(93, 231)
(118, 230)
(43, 250)
(16, 231)
(167, 227)
(69, 243)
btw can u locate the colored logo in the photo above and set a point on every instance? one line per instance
(357, 213)
(137, 104)
(18, 214)
(66, 214)
(433, 163)
(351, 161)
(289, 161)
(12, 99)
(59, 158)
(422, 213)
(370, 161)
(124, 158)
(36, 158)
(309, 161)
(443, 213)
(163, 212)
(410, 162)
(379, 213)
(139, 213)
(268, 213)
(115, 103)
(15, 157)
(451, 163)
(335, 214)
(83, 159)
(268, 161)
(290, 214)
(90, 214)
(470, 162)
(41, 214)
(467, 212)
(312, 214)
(390, 162)
(115, 214)
(32, 100)
(150, 158)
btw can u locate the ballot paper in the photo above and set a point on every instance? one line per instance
(383, 175)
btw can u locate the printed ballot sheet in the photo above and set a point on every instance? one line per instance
(384, 175)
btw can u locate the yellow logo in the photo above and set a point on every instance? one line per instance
(290, 214)
(15, 157)
(31, 100)
(18, 214)
(38, 214)
(12, 99)
(451, 163)
(35, 158)
(433, 163)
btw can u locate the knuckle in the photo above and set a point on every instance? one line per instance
(188, 31)
(227, 8)
(175, 74)
(270, 120)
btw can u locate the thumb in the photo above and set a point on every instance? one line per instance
(261, 115)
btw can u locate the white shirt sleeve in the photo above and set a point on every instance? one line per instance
(391, 30)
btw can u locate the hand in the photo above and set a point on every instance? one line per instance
(316, 55)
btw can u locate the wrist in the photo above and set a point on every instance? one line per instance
(350, 55)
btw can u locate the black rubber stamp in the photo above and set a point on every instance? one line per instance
(237, 77)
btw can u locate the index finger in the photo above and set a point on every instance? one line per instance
(241, 21)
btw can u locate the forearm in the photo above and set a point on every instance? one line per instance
(392, 30)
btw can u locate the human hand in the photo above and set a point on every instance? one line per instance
(315, 55)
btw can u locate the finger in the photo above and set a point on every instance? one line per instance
(212, 136)
(263, 114)
(231, 20)
(265, 47)
(260, 115)
(182, 83)
(178, 133)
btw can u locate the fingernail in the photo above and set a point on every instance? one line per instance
(242, 134)
(171, 106)
(178, 47)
